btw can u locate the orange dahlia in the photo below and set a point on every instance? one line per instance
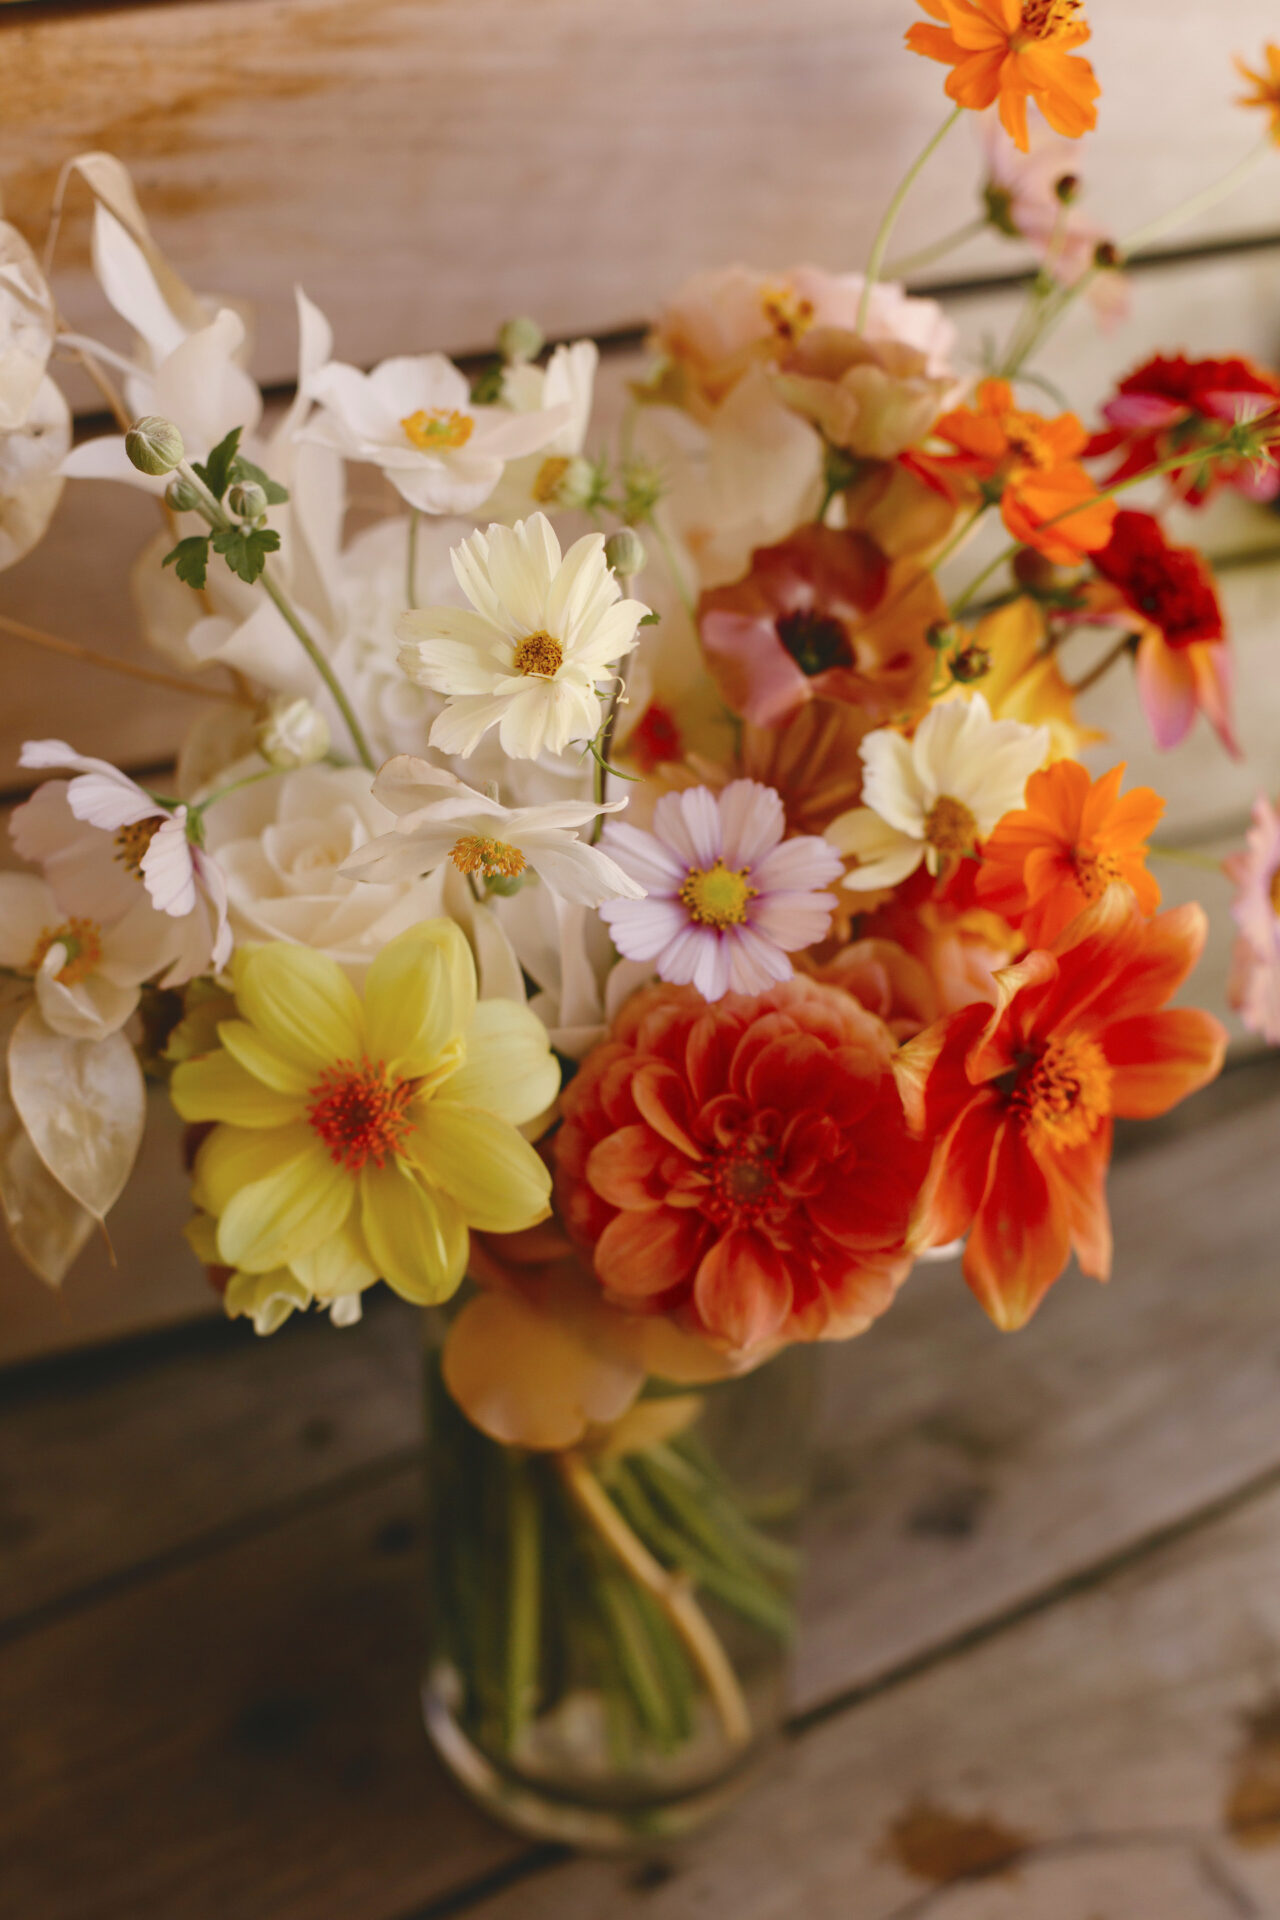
(744, 1167)
(1012, 51)
(1021, 1100)
(1075, 837)
(1047, 499)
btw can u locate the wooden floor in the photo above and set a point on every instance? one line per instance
(1040, 1675)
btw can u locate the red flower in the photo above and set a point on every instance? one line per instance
(1175, 403)
(1172, 587)
(745, 1167)
(1021, 1100)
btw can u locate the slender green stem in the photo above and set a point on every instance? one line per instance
(1186, 857)
(284, 607)
(925, 256)
(1111, 658)
(411, 560)
(524, 1590)
(880, 245)
(678, 581)
(250, 779)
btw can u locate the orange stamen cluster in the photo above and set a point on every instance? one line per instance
(493, 859)
(1050, 19)
(82, 941)
(441, 430)
(132, 842)
(1095, 872)
(539, 653)
(787, 313)
(950, 826)
(358, 1111)
(717, 896)
(546, 482)
(1065, 1092)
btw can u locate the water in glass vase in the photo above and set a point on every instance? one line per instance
(611, 1625)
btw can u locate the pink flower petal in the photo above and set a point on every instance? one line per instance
(689, 823)
(798, 865)
(752, 822)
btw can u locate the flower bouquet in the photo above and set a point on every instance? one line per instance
(651, 878)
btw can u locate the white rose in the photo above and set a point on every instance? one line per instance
(281, 844)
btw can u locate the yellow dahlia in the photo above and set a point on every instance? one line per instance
(356, 1137)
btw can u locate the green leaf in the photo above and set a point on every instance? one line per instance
(243, 469)
(216, 471)
(650, 620)
(245, 549)
(190, 560)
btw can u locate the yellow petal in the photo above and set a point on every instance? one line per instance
(510, 1069)
(497, 1179)
(287, 1211)
(263, 1060)
(341, 1265)
(265, 1298)
(418, 1240)
(216, 1087)
(529, 1379)
(419, 994)
(303, 1002)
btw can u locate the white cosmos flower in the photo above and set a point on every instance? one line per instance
(440, 818)
(414, 418)
(551, 478)
(939, 793)
(100, 835)
(527, 656)
(86, 974)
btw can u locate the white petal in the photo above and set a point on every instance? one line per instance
(891, 785)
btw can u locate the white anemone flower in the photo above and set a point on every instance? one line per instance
(100, 835)
(86, 974)
(414, 418)
(557, 476)
(441, 818)
(937, 794)
(527, 656)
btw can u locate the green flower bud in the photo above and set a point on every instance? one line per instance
(292, 733)
(624, 552)
(180, 496)
(154, 445)
(247, 500)
(520, 340)
(1067, 188)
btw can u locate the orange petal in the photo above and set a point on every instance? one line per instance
(1157, 1059)
(1080, 1174)
(1020, 1241)
(622, 1168)
(641, 1254)
(528, 1379)
(742, 1291)
(960, 1175)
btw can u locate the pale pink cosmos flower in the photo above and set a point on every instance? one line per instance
(1255, 967)
(728, 897)
(100, 835)
(1022, 201)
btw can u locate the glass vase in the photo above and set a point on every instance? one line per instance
(610, 1625)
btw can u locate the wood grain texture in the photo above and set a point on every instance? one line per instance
(231, 1726)
(601, 151)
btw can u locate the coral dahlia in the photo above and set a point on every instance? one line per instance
(744, 1167)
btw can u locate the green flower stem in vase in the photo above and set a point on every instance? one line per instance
(610, 1624)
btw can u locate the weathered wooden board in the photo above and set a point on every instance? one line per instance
(1117, 1758)
(231, 1726)
(475, 158)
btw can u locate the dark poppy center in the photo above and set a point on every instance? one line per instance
(816, 641)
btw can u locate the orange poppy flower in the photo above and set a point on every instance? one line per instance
(1032, 460)
(1266, 87)
(1012, 51)
(1044, 864)
(1021, 1100)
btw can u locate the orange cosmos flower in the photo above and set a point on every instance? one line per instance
(1011, 51)
(1032, 461)
(1266, 87)
(1021, 1100)
(1044, 864)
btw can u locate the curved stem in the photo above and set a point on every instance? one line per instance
(1198, 203)
(153, 675)
(284, 607)
(672, 1592)
(880, 245)
(925, 256)
(411, 560)
(1104, 666)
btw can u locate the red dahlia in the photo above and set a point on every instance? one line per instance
(1169, 586)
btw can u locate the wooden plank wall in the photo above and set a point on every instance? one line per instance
(426, 168)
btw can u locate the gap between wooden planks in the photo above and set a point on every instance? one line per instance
(213, 1599)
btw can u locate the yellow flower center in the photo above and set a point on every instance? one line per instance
(546, 482)
(1066, 1091)
(789, 316)
(717, 896)
(1026, 442)
(82, 940)
(132, 843)
(359, 1113)
(950, 826)
(493, 859)
(1050, 19)
(442, 430)
(538, 653)
(1095, 872)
